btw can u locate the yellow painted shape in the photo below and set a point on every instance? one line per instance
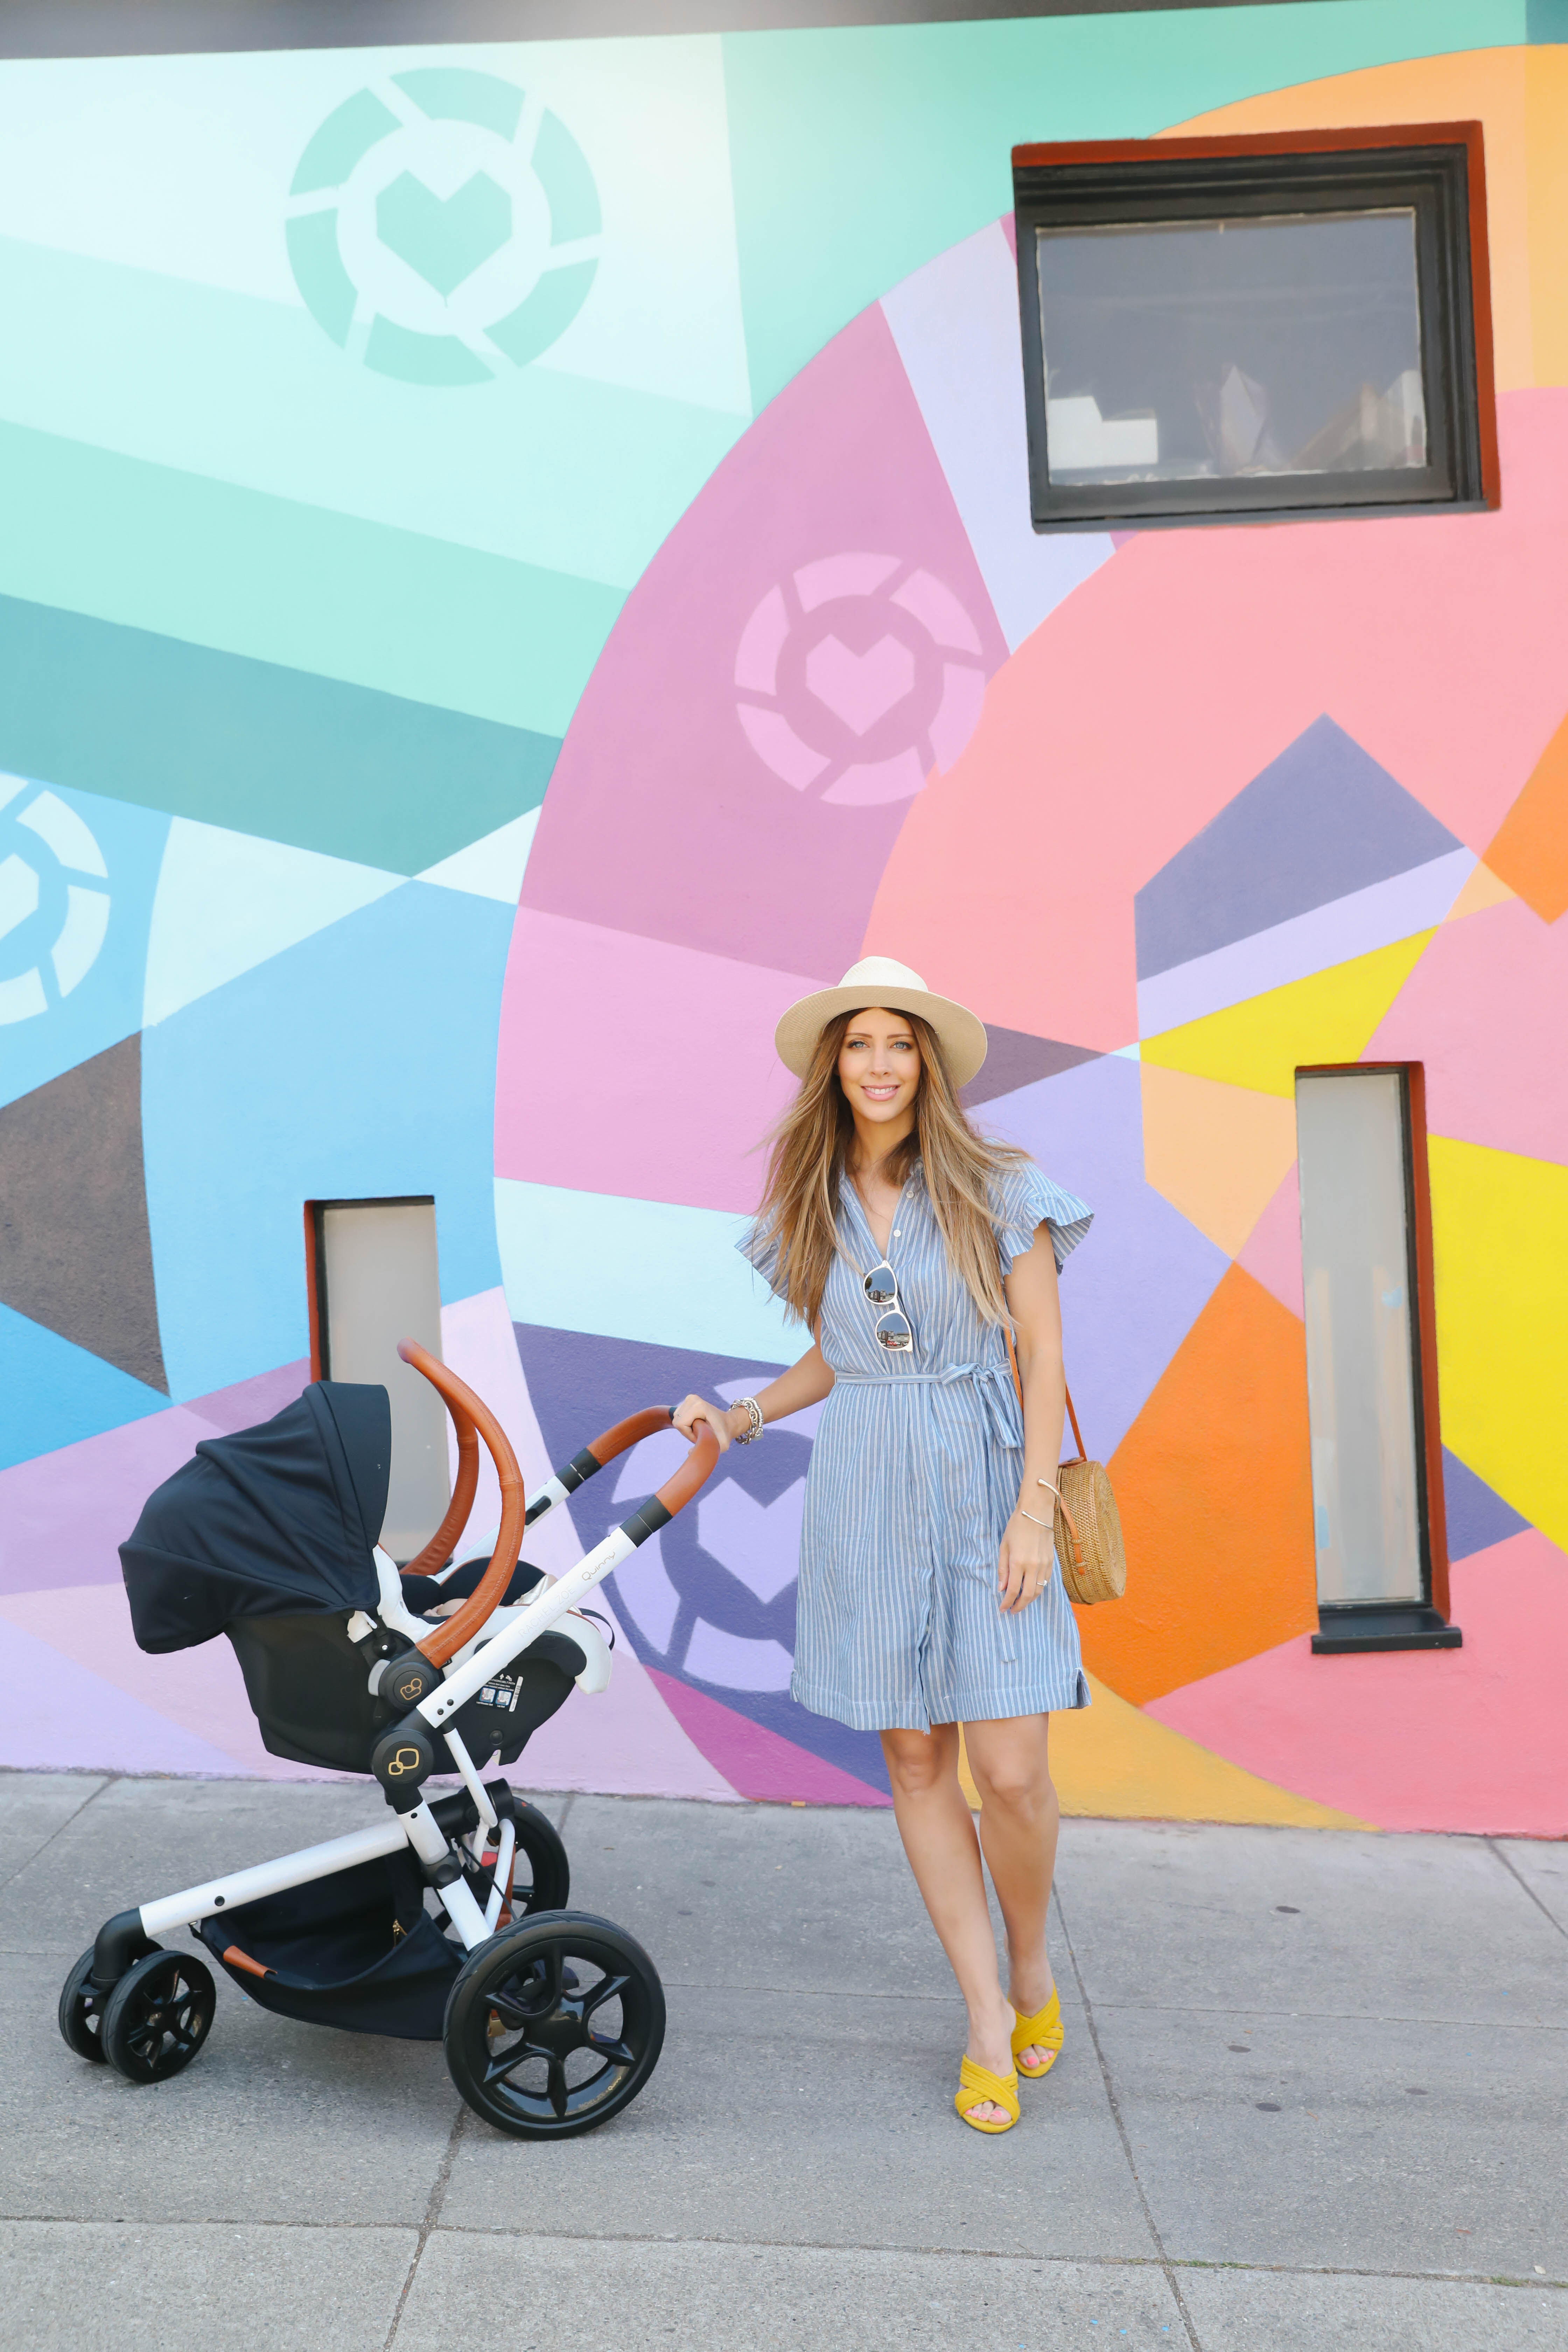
(1261, 1043)
(1113, 1762)
(1523, 117)
(1546, 183)
(1499, 1243)
(1218, 1153)
(1482, 890)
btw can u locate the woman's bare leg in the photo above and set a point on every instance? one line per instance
(938, 1830)
(1019, 1820)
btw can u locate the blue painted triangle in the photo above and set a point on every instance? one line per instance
(1477, 1516)
(1320, 821)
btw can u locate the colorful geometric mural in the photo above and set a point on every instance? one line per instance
(462, 724)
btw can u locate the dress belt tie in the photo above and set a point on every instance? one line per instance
(995, 1382)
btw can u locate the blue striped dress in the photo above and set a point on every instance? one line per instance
(913, 1477)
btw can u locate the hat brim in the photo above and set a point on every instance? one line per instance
(962, 1036)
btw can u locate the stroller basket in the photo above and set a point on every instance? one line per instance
(356, 1950)
(447, 1921)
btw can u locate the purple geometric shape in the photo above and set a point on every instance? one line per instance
(61, 1717)
(1132, 1291)
(662, 818)
(1320, 821)
(1476, 1516)
(578, 1385)
(63, 1515)
(1014, 1059)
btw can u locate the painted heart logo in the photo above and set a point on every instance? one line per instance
(858, 675)
(860, 689)
(446, 239)
(443, 226)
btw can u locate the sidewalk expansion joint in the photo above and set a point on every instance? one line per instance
(1529, 1890)
(108, 1781)
(432, 2215)
(1177, 2297)
(1163, 2263)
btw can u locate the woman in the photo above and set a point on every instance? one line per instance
(907, 1245)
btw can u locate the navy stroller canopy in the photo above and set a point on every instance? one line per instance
(276, 1521)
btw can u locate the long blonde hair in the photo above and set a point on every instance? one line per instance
(808, 1157)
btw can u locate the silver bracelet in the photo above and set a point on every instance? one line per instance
(1022, 1514)
(755, 1415)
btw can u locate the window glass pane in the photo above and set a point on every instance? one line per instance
(1359, 1390)
(381, 1285)
(1232, 348)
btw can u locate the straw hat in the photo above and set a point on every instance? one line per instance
(879, 980)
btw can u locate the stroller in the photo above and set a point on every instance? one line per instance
(551, 2019)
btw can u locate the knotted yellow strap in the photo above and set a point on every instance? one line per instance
(976, 2084)
(1044, 2031)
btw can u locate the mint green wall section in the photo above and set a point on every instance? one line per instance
(858, 154)
(564, 472)
(288, 582)
(269, 492)
(263, 750)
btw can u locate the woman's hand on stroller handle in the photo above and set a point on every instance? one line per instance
(695, 1412)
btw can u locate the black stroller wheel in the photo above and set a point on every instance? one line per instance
(542, 1875)
(157, 2017)
(81, 2011)
(554, 2025)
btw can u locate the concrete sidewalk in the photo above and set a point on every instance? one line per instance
(1312, 2095)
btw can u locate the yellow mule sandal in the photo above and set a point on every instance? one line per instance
(976, 2084)
(1045, 2029)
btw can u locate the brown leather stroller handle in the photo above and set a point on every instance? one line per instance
(661, 1508)
(444, 1641)
(591, 1458)
(629, 1432)
(438, 1550)
(693, 1470)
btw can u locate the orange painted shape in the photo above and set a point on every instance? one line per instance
(1218, 1153)
(1214, 1487)
(1482, 890)
(1486, 85)
(1529, 849)
(1546, 185)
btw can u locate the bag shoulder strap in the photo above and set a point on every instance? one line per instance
(1018, 1385)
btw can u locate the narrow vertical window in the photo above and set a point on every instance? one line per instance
(374, 1280)
(1377, 1508)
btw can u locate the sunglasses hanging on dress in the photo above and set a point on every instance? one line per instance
(893, 1330)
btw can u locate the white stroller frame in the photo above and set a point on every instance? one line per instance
(449, 1663)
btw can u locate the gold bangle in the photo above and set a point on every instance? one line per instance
(1022, 1514)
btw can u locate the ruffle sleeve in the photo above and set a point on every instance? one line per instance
(761, 1251)
(1025, 1199)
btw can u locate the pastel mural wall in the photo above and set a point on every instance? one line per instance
(517, 566)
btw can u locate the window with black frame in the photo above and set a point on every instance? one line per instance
(1256, 328)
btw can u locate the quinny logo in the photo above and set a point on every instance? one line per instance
(443, 229)
(54, 910)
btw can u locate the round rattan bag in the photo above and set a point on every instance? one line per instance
(1089, 1533)
(1087, 1529)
